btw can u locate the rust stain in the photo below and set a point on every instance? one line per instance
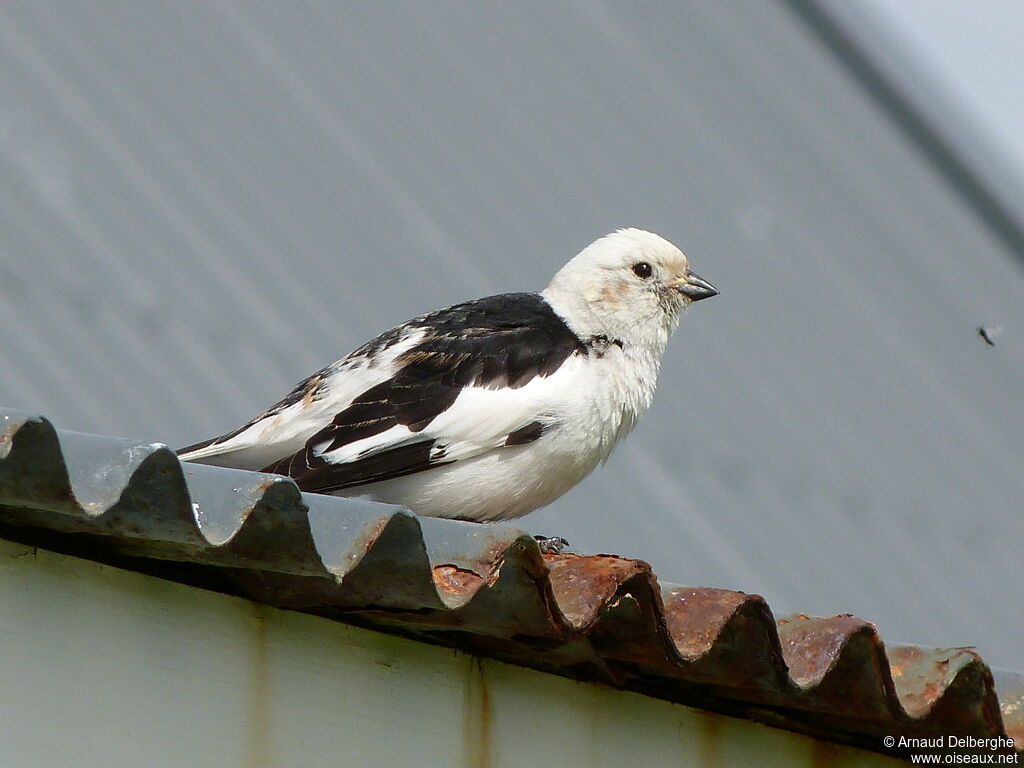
(923, 677)
(363, 543)
(455, 580)
(1018, 740)
(465, 582)
(823, 754)
(494, 556)
(258, 704)
(709, 744)
(582, 585)
(476, 726)
(696, 616)
(812, 646)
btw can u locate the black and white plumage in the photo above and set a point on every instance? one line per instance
(489, 409)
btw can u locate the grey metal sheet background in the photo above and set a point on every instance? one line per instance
(201, 203)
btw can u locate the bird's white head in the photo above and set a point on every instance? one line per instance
(630, 285)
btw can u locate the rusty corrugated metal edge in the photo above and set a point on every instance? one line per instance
(486, 589)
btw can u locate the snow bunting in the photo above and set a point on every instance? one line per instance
(489, 409)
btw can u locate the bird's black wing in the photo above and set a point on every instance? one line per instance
(501, 342)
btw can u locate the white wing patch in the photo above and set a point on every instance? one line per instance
(480, 420)
(280, 433)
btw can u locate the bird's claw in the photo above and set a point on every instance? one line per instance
(551, 545)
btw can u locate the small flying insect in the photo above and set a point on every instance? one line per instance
(989, 332)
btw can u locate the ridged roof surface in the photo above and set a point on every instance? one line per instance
(203, 203)
(486, 589)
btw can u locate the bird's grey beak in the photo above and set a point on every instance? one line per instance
(694, 287)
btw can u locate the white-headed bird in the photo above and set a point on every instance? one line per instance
(489, 409)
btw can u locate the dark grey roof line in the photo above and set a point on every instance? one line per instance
(1004, 218)
(485, 589)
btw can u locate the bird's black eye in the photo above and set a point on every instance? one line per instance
(643, 269)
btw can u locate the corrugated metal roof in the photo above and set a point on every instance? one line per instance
(205, 202)
(488, 590)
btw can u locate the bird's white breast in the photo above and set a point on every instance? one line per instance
(590, 403)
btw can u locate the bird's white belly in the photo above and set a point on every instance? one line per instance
(499, 485)
(509, 482)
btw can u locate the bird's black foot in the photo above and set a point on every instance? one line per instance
(551, 545)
